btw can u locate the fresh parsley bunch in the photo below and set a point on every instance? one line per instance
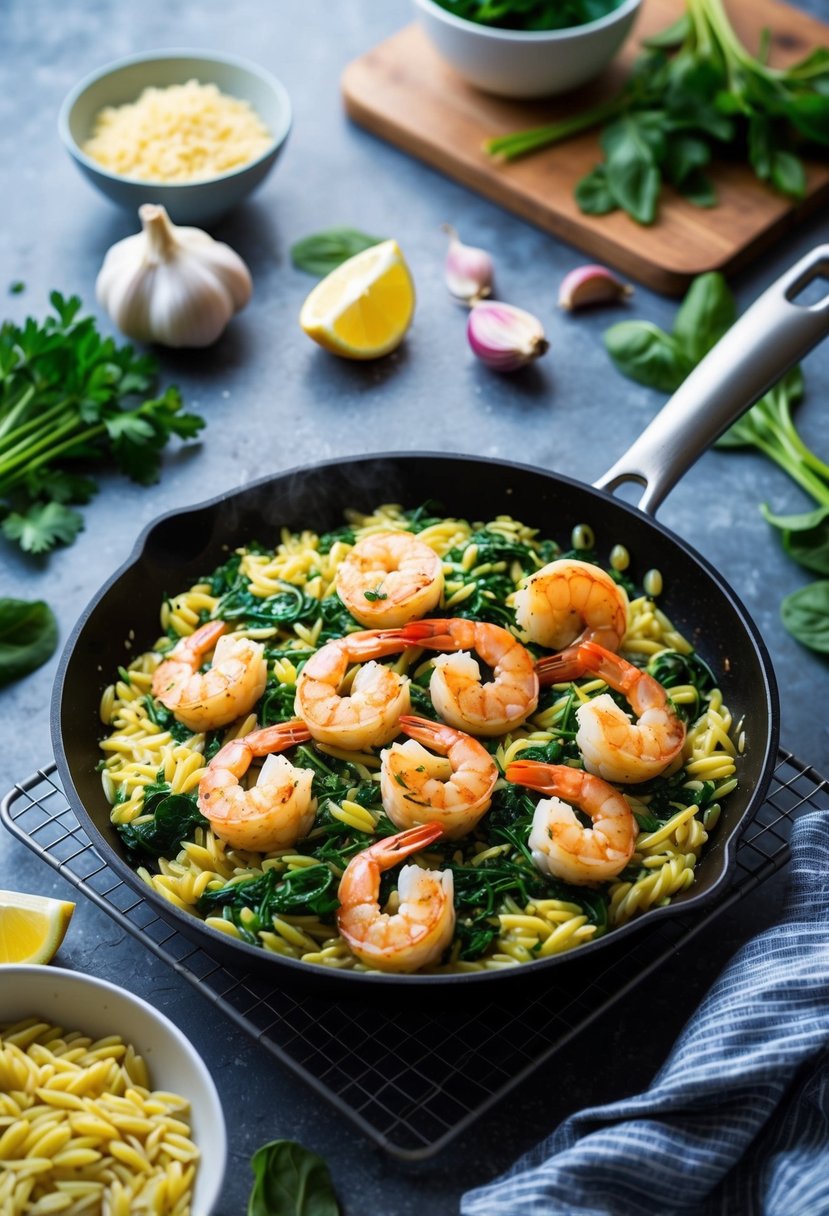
(695, 91)
(69, 396)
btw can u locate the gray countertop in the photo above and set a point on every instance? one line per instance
(273, 400)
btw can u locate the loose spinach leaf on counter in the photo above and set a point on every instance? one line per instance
(28, 637)
(805, 536)
(325, 251)
(647, 354)
(805, 613)
(290, 1181)
(69, 395)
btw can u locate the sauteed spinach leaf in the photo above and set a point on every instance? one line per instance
(166, 820)
(251, 905)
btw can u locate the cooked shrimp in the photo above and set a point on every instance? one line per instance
(275, 812)
(390, 578)
(455, 686)
(418, 787)
(614, 747)
(230, 687)
(423, 925)
(367, 715)
(570, 601)
(559, 844)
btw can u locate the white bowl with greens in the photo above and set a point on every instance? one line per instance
(535, 59)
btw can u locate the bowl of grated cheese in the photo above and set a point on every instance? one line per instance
(191, 130)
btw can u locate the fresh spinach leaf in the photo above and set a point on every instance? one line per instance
(705, 314)
(593, 193)
(805, 536)
(290, 1181)
(28, 637)
(645, 353)
(805, 613)
(325, 251)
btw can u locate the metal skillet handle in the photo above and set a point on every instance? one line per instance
(768, 339)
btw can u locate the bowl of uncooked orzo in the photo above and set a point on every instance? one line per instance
(100, 1090)
(193, 131)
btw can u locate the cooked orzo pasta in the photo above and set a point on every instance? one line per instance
(508, 910)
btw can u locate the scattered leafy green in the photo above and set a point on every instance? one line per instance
(17, 287)
(290, 1181)
(67, 395)
(166, 820)
(645, 353)
(28, 637)
(325, 251)
(251, 905)
(696, 89)
(805, 613)
(805, 536)
(530, 14)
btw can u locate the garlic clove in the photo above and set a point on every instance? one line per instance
(588, 285)
(175, 286)
(468, 271)
(505, 337)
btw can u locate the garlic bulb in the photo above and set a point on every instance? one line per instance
(505, 337)
(175, 286)
(468, 271)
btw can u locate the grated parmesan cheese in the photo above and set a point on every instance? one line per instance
(182, 133)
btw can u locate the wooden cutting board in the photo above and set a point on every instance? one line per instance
(405, 93)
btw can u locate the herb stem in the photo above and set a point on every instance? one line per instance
(11, 438)
(793, 466)
(15, 466)
(60, 449)
(510, 147)
(16, 411)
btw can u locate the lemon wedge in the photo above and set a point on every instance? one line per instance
(362, 309)
(32, 927)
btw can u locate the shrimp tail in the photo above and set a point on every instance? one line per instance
(561, 668)
(577, 661)
(375, 643)
(393, 849)
(205, 637)
(555, 779)
(608, 666)
(435, 634)
(276, 738)
(437, 734)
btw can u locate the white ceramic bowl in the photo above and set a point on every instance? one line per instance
(519, 63)
(124, 81)
(82, 1002)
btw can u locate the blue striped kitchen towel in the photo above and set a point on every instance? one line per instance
(736, 1123)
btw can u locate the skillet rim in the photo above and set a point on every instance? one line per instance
(308, 975)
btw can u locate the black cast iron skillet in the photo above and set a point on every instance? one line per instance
(180, 547)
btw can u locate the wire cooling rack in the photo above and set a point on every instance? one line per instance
(411, 1080)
